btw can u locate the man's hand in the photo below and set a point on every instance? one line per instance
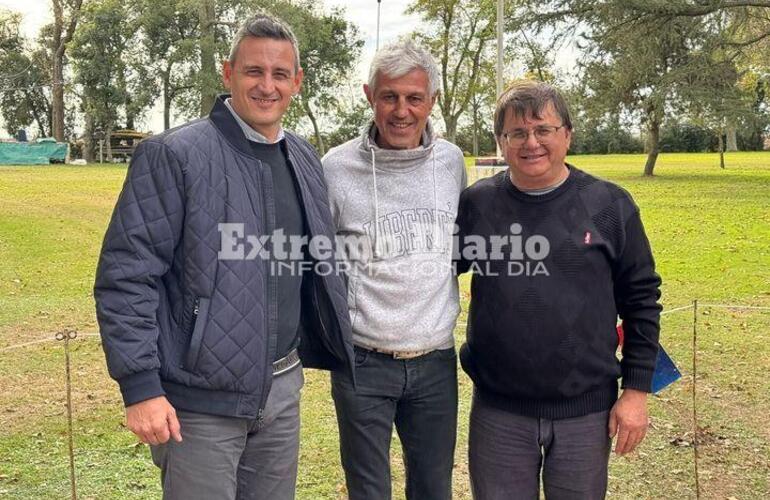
(628, 420)
(153, 421)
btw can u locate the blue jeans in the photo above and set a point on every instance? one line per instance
(419, 395)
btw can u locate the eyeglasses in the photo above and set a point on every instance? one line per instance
(544, 134)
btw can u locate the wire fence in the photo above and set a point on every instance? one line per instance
(66, 337)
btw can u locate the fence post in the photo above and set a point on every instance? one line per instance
(694, 409)
(66, 336)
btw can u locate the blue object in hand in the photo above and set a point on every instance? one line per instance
(666, 372)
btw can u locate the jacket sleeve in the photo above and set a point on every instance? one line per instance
(137, 251)
(637, 290)
(463, 224)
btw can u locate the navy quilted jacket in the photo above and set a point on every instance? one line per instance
(177, 321)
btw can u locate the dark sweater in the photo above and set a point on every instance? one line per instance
(289, 217)
(541, 338)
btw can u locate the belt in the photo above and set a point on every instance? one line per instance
(398, 354)
(286, 363)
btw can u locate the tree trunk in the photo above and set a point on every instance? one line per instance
(316, 131)
(108, 143)
(475, 131)
(166, 110)
(207, 43)
(732, 137)
(450, 122)
(38, 119)
(57, 98)
(653, 140)
(61, 38)
(88, 143)
(130, 114)
(166, 77)
(722, 149)
(57, 73)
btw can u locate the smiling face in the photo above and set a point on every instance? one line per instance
(262, 80)
(534, 165)
(401, 107)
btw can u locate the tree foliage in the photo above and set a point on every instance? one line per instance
(351, 120)
(169, 40)
(656, 58)
(24, 96)
(109, 68)
(329, 47)
(458, 33)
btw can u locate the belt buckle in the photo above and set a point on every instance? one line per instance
(408, 354)
(286, 363)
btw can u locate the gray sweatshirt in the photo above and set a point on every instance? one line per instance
(394, 212)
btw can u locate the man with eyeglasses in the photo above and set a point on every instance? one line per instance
(556, 254)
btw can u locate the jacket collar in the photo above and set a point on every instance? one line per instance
(250, 133)
(225, 122)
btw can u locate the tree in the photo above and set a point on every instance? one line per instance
(186, 40)
(24, 97)
(482, 108)
(65, 14)
(639, 70)
(208, 76)
(109, 67)
(352, 118)
(329, 47)
(755, 85)
(458, 33)
(168, 37)
(648, 56)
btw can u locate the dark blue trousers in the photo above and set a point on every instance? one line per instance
(508, 454)
(419, 395)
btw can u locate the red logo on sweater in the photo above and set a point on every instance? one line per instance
(587, 239)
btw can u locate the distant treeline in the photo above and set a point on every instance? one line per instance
(674, 138)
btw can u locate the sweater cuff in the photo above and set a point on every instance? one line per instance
(140, 386)
(637, 378)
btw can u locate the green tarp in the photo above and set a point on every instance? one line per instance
(31, 153)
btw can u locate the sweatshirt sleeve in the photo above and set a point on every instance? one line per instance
(464, 173)
(137, 250)
(637, 290)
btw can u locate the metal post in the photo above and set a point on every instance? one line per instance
(500, 48)
(377, 47)
(694, 409)
(66, 336)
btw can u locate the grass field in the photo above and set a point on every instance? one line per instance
(710, 231)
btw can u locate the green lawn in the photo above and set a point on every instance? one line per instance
(710, 231)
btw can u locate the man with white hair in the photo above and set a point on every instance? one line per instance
(396, 189)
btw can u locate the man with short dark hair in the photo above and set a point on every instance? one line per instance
(557, 255)
(204, 339)
(393, 193)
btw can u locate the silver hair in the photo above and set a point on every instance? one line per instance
(265, 26)
(399, 58)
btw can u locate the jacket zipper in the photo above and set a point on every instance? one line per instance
(268, 372)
